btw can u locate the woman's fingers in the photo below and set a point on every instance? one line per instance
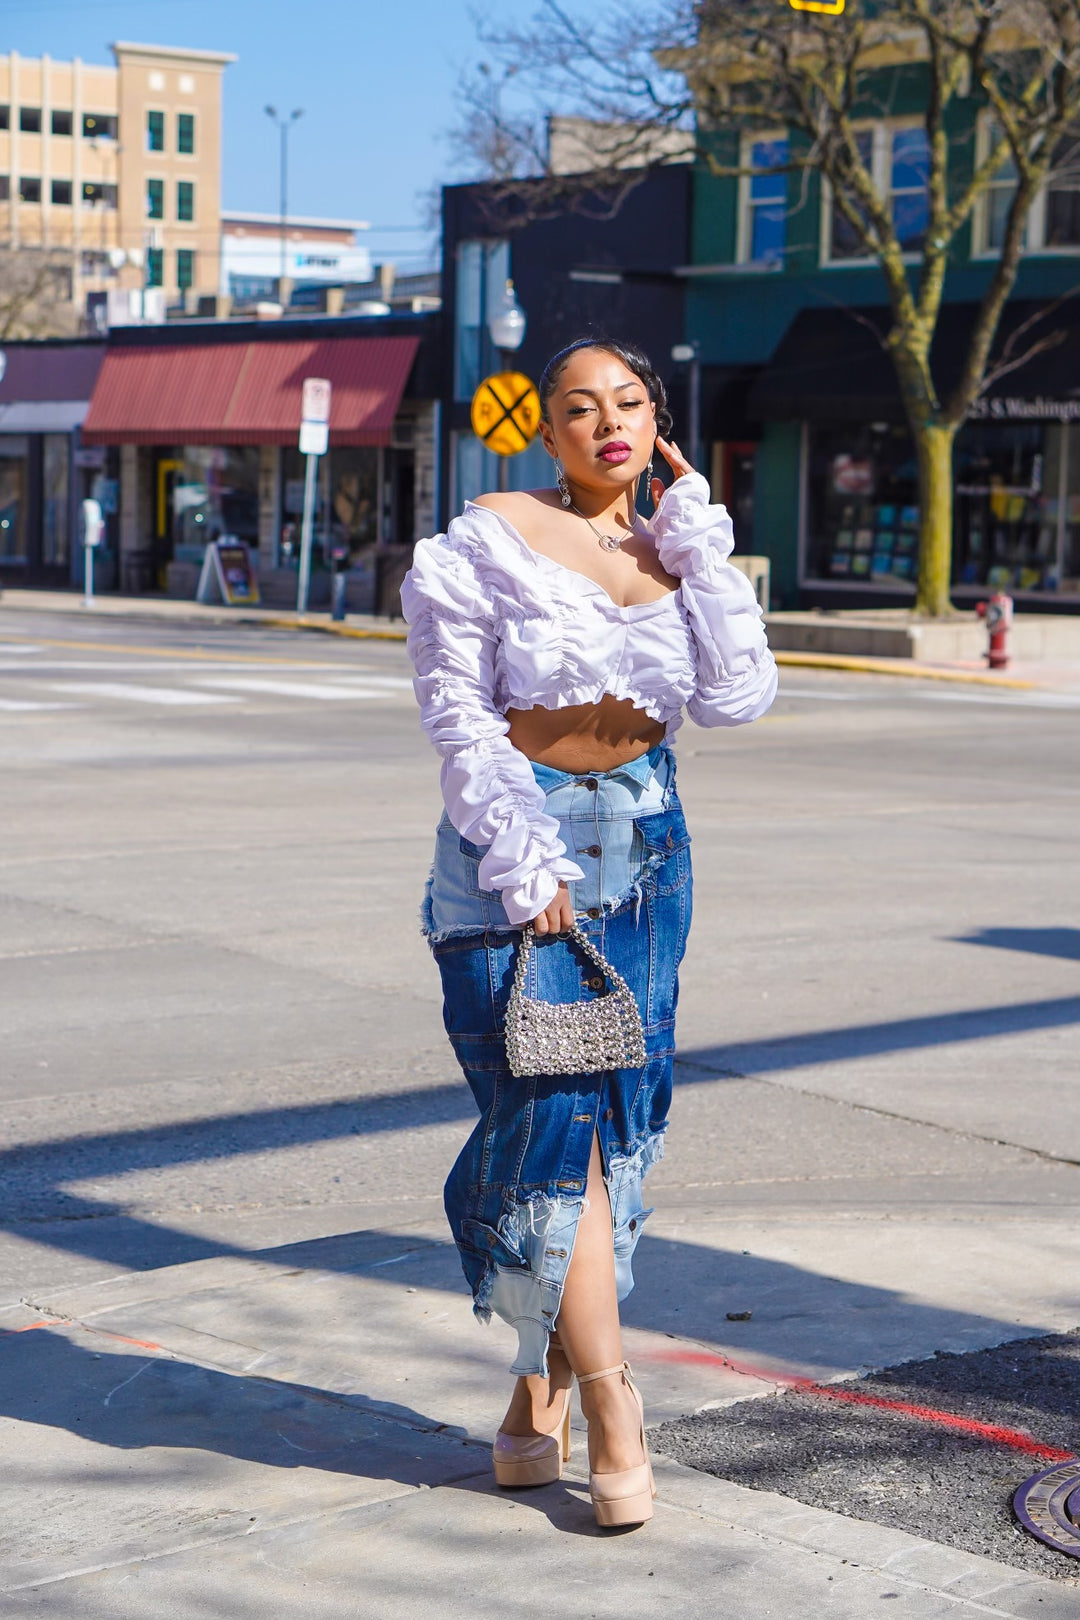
(673, 456)
(556, 917)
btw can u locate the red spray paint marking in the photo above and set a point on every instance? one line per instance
(34, 1327)
(993, 1432)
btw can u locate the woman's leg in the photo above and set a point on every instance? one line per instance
(590, 1333)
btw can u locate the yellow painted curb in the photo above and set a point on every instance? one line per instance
(901, 667)
(353, 633)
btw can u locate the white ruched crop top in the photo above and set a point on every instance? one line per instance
(495, 625)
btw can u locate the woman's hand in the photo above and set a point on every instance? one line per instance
(675, 460)
(556, 918)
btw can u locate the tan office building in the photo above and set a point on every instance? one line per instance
(118, 166)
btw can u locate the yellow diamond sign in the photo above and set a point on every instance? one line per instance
(506, 412)
(831, 8)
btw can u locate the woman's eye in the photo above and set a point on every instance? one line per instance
(578, 410)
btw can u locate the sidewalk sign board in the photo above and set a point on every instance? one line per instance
(228, 573)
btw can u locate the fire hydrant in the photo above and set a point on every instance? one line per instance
(998, 613)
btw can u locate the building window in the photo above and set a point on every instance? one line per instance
(62, 123)
(97, 195)
(909, 182)
(61, 193)
(185, 133)
(99, 126)
(1054, 221)
(29, 189)
(844, 240)
(56, 502)
(185, 268)
(210, 490)
(155, 267)
(5, 188)
(764, 203)
(155, 199)
(5, 117)
(30, 120)
(1062, 222)
(897, 158)
(185, 200)
(155, 132)
(482, 272)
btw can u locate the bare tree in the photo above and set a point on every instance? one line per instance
(35, 293)
(716, 66)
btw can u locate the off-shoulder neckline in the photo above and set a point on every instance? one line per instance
(540, 557)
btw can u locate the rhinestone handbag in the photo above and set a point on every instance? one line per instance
(577, 1037)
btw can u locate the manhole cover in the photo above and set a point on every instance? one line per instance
(1048, 1505)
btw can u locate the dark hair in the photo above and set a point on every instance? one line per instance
(632, 358)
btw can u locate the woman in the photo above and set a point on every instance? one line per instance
(557, 637)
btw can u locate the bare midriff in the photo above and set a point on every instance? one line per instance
(586, 736)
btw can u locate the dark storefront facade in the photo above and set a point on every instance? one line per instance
(45, 470)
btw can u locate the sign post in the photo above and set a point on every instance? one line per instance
(314, 441)
(93, 528)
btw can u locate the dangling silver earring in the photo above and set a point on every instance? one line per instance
(560, 479)
(648, 476)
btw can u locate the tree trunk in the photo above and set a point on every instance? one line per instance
(934, 451)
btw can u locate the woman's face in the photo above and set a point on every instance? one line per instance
(600, 422)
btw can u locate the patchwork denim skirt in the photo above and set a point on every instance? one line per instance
(515, 1193)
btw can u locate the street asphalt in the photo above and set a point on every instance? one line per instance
(238, 1371)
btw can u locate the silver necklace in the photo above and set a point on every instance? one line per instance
(608, 542)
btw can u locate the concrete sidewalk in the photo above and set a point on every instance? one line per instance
(1057, 675)
(247, 1438)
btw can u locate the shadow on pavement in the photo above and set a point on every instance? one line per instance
(1063, 942)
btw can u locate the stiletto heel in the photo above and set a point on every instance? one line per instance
(626, 1496)
(523, 1460)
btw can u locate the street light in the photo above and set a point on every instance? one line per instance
(506, 327)
(284, 125)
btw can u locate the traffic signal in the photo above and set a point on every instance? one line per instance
(831, 8)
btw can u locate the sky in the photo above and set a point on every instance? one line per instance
(376, 82)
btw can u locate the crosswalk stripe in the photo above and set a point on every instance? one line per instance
(129, 692)
(322, 691)
(21, 706)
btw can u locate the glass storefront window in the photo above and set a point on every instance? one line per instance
(346, 501)
(1018, 506)
(863, 505)
(56, 499)
(14, 475)
(206, 491)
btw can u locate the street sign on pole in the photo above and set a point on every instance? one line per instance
(314, 442)
(506, 412)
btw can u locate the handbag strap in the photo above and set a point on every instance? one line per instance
(584, 944)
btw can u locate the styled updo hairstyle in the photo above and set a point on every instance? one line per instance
(632, 358)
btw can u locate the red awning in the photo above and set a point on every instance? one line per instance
(247, 393)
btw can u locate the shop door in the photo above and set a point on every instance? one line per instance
(739, 491)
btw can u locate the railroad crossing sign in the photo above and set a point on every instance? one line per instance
(506, 412)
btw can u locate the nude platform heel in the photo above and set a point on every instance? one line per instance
(522, 1460)
(625, 1497)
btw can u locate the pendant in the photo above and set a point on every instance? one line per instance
(610, 542)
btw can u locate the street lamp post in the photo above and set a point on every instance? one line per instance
(506, 326)
(284, 125)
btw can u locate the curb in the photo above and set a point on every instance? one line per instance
(851, 664)
(901, 667)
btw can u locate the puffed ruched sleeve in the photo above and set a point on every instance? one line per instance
(736, 672)
(490, 792)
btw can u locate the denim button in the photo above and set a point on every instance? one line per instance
(594, 850)
(593, 912)
(596, 982)
(591, 783)
(609, 1113)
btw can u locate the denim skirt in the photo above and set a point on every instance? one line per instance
(515, 1193)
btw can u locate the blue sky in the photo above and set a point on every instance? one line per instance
(376, 82)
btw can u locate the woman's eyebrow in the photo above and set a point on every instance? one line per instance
(594, 393)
